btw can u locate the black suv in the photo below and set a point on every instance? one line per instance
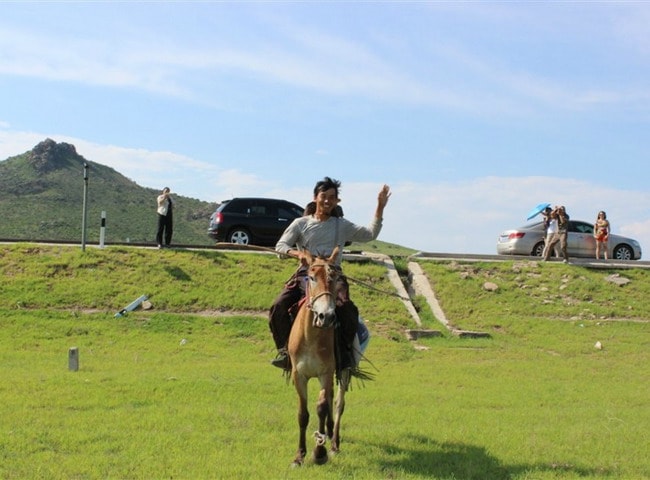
(254, 221)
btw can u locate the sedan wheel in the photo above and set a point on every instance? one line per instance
(240, 236)
(538, 249)
(622, 252)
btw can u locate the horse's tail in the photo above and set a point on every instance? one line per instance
(356, 371)
(362, 374)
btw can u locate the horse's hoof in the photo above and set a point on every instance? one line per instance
(296, 464)
(320, 455)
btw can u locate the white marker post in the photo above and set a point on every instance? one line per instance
(73, 359)
(102, 230)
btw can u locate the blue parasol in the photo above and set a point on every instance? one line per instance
(537, 210)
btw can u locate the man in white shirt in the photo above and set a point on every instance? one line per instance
(320, 233)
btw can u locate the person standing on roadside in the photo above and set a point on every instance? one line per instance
(550, 227)
(165, 218)
(546, 216)
(562, 218)
(601, 234)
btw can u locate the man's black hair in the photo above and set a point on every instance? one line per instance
(326, 184)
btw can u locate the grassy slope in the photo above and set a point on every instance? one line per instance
(535, 401)
(42, 199)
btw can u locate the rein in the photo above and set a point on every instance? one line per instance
(371, 287)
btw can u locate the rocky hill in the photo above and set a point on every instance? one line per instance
(41, 198)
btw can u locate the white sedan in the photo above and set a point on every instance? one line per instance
(529, 240)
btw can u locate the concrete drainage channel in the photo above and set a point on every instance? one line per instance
(418, 285)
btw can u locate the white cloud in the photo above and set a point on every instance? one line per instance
(304, 57)
(233, 183)
(15, 143)
(92, 61)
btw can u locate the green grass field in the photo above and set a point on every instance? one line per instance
(186, 391)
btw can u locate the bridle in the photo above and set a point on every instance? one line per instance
(311, 299)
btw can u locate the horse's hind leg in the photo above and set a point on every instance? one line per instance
(339, 407)
(324, 409)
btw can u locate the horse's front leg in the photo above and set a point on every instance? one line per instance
(324, 408)
(303, 418)
(339, 407)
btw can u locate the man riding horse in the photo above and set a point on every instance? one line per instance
(320, 233)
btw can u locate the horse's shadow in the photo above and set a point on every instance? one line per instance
(178, 274)
(434, 459)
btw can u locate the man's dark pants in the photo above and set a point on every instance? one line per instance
(281, 318)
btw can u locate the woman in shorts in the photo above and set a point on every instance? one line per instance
(601, 233)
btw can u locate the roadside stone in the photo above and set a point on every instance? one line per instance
(470, 334)
(519, 266)
(490, 286)
(616, 279)
(413, 334)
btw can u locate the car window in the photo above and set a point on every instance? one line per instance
(258, 210)
(223, 205)
(261, 208)
(580, 227)
(238, 207)
(265, 209)
(286, 212)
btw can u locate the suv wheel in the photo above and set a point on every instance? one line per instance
(239, 236)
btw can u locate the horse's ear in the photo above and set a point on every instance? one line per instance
(309, 257)
(333, 255)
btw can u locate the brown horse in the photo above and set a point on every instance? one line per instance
(311, 349)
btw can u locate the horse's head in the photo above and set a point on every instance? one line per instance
(321, 291)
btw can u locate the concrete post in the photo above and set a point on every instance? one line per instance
(73, 359)
(102, 230)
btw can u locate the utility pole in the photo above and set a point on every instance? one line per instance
(85, 213)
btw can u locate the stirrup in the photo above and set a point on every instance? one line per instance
(281, 360)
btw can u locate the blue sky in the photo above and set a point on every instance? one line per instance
(473, 112)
